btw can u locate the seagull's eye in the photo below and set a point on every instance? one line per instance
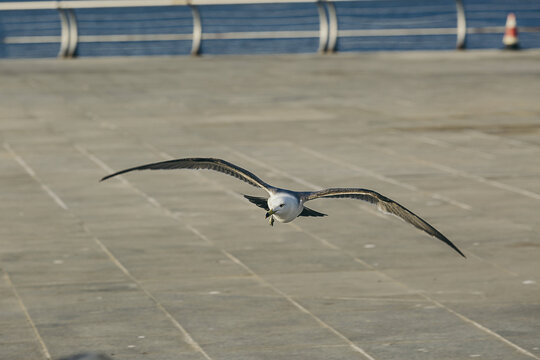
(282, 205)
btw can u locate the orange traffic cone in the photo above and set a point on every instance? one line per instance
(510, 38)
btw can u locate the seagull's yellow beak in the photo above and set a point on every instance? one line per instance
(270, 213)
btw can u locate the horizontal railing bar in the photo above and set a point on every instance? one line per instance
(124, 38)
(431, 31)
(500, 29)
(165, 37)
(259, 35)
(396, 32)
(96, 4)
(486, 30)
(97, 38)
(529, 28)
(31, 39)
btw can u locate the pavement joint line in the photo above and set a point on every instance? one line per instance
(147, 197)
(241, 264)
(186, 336)
(455, 313)
(446, 145)
(299, 306)
(39, 339)
(482, 327)
(322, 240)
(384, 178)
(510, 272)
(33, 175)
(435, 302)
(354, 167)
(376, 299)
(306, 183)
(464, 174)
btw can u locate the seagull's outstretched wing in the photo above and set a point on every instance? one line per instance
(385, 205)
(202, 163)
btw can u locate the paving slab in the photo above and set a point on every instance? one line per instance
(178, 265)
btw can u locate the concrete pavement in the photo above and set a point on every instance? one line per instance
(177, 265)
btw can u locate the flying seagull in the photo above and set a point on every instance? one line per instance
(285, 205)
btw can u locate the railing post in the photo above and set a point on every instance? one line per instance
(461, 26)
(332, 27)
(323, 28)
(69, 33)
(197, 31)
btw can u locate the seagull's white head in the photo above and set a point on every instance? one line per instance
(284, 207)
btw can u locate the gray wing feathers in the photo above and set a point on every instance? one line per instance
(201, 163)
(385, 205)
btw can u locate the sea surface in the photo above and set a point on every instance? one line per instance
(359, 20)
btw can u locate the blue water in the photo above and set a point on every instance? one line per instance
(352, 15)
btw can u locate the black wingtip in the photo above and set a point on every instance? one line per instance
(455, 248)
(116, 173)
(460, 253)
(444, 239)
(451, 244)
(111, 175)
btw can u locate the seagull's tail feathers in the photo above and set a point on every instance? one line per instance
(311, 212)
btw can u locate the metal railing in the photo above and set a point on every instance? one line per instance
(327, 33)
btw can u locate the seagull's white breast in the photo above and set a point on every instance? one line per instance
(286, 206)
